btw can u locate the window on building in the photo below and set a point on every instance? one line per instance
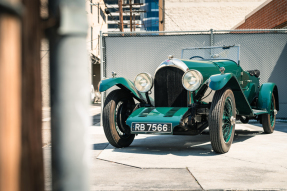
(112, 26)
(134, 8)
(113, 9)
(102, 14)
(111, 1)
(111, 18)
(152, 14)
(91, 6)
(154, 6)
(124, 18)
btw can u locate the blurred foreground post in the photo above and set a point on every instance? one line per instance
(32, 170)
(70, 89)
(10, 95)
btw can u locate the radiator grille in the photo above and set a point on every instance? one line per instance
(168, 89)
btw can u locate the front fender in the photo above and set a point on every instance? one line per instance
(108, 83)
(220, 81)
(265, 96)
(122, 83)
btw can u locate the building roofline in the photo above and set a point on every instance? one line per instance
(251, 13)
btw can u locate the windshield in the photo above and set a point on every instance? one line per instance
(211, 53)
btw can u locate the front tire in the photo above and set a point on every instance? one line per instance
(222, 116)
(268, 120)
(117, 108)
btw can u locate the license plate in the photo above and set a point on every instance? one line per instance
(152, 127)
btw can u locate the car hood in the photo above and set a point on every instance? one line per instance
(211, 67)
(205, 67)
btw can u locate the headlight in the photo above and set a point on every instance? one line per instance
(143, 82)
(191, 80)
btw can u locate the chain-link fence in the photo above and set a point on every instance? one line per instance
(131, 53)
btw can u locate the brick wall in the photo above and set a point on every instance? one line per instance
(206, 14)
(272, 15)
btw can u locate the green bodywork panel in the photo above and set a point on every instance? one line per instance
(208, 68)
(265, 96)
(108, 83)
(171, 115)
(259, 112)
(121, 81)
(250, 91)
(217, 82)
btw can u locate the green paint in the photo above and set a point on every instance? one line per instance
(129, 85)
(250, 91)
(110, 82)
(208, 68)
(242, 104)
(259, 112)
(218, 81)
(230, 67)
(171, 115)
(231, 77)
(265, 96)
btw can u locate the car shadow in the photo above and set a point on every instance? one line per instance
(96, 119)
(279, 126)
(181, 145)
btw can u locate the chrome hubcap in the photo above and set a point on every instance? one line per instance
(232, 120)
(275, 112)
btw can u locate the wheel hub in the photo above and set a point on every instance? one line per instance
(232, 120)
(275, 112)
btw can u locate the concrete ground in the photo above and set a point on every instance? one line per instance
(256, 161)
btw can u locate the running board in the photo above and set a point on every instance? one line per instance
(259, 112)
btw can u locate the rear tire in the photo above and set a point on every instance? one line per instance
(117, 108)
(268, 120)
(222, 116)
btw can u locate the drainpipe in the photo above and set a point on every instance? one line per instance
(70, 89)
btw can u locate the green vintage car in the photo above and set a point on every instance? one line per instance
(206, 88)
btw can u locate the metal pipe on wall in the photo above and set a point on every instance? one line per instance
(70, 87)
(102, 71)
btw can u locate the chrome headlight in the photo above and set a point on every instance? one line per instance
(143, 82)
(191, 80)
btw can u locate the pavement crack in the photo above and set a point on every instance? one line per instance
(102, 150)
(119, 163)
(194, 178)
(252, 161)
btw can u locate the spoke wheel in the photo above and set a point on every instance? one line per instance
(226, 119)
(222, 116)
(117, 108)
(268, 120)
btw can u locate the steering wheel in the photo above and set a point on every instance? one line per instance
(196, 57)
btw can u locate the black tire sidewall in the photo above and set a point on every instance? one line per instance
(215, 127)
(228, 93)
(266, 123)
(109, 119)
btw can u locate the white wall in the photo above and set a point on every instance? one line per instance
(97, 25)
(206, 14)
